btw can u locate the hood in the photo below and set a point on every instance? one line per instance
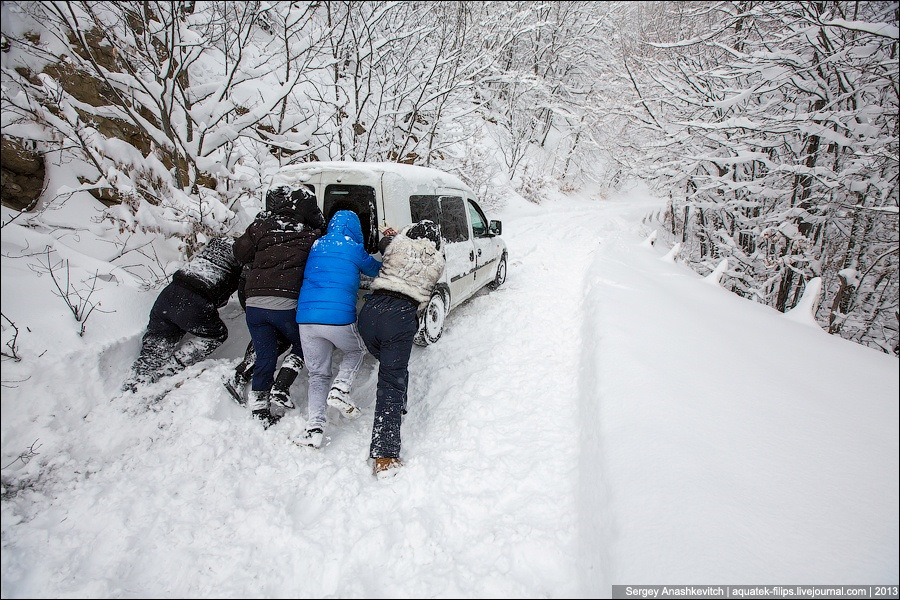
(346, 223)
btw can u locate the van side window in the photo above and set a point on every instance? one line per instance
(361, 200)
(448, 211)
(425, 207)
(454, 226)
(479, 222)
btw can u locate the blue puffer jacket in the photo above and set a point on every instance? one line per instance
(331, 277)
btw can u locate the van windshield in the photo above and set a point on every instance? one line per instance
(361, 200)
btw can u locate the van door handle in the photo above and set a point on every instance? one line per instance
(479, 252)
(471, 255)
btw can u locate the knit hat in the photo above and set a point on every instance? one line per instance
(425, 229)
(278, 199)
(299, 203)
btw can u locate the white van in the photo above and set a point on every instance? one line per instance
(394, 195)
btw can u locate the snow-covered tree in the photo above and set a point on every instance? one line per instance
(777, 141)
(771, 126)
(153, 96)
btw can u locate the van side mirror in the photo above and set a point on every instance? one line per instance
(495, 227)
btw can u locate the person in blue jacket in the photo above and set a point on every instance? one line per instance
(326, 317)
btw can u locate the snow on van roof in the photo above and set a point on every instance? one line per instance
(293, 175)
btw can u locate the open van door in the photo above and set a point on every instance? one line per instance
(487, 252)
(361, 200)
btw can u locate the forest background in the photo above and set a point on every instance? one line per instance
(770, 127)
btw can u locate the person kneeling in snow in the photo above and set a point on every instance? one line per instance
(189, 304)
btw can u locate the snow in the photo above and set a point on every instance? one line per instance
(885, 29)
(605, 417)
(805, 310)
(715, 278)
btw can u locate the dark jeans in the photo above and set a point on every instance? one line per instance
(244, 370)
(387, 326)
(176, 312)
(266, 326)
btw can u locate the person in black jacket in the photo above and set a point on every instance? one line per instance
(189, 304)
(237, 382)
(276, 246)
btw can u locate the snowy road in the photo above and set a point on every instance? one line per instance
(591, 422)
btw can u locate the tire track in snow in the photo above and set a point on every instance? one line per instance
(518, 410)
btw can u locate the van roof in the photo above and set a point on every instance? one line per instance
(293, 175)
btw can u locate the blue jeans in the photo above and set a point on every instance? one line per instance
(387, 326)
(265, 327)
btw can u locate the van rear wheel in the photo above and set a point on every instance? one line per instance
(431, 323)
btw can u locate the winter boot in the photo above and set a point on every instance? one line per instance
(386, 467)
(339, 398)
(237, 383)
(312, 437)
(244, 371)
(259, 407)
(235, 389)
(281, 390)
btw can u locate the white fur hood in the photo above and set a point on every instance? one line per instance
(411, 267)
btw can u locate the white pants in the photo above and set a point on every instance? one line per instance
(319, 341)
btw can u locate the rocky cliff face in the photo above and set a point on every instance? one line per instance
(21, 174)
(22, 163)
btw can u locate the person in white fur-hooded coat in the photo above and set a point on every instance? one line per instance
(411, 265)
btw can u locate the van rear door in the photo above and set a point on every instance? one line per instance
(361, 200)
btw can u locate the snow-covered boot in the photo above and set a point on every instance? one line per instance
(244, 371)
(386, 467)
(258, 400)
(259, 407)
(312, 437)
(235, 389)
(281, 390)
(339, 398)
(236, 384)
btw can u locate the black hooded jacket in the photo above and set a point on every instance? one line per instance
(277, 243)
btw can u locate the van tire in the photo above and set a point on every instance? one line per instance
(431, 322)
(500, 277)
